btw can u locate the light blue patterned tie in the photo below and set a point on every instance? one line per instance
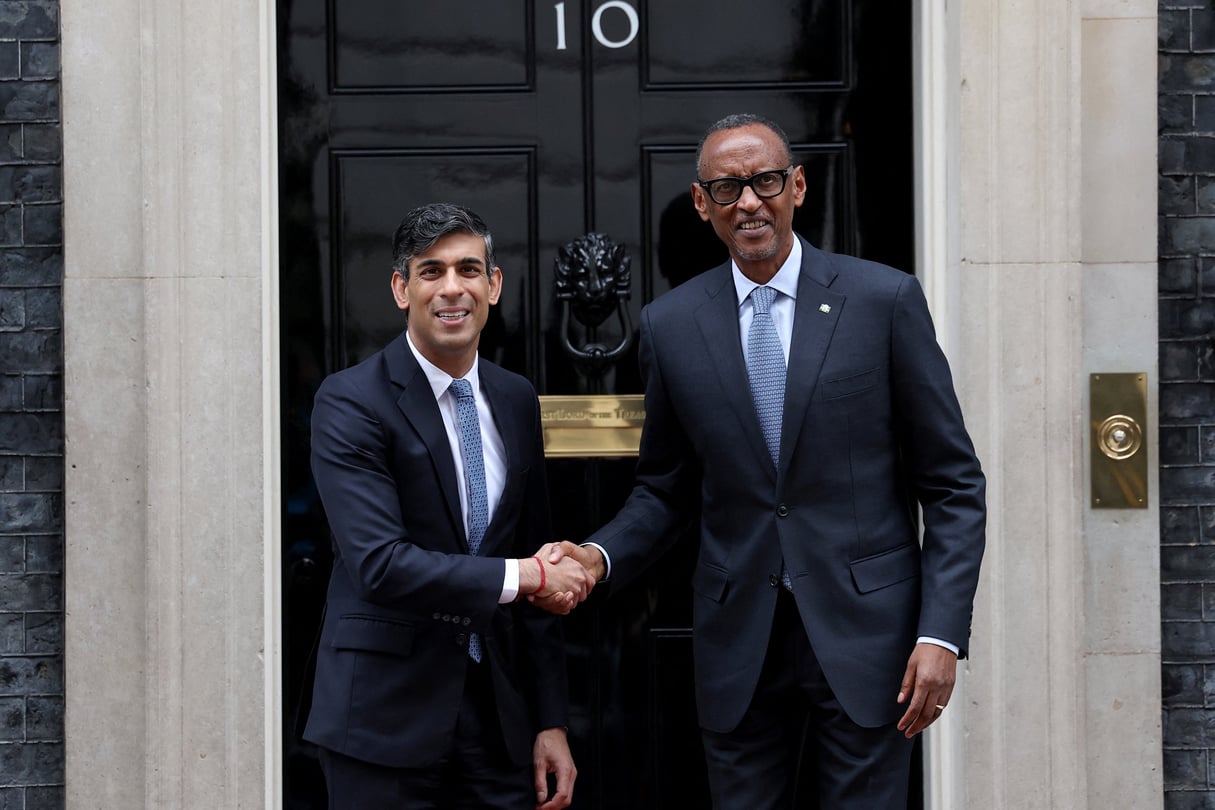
(474, 475)
(766, 370)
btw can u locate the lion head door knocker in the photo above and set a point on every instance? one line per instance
(593, 281)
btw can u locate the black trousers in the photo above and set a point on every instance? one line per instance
(755, 767)
(474, 774)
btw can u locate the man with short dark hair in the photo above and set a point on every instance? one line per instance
(798, 406)
(436, 687)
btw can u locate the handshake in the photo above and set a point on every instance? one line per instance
(560, 575)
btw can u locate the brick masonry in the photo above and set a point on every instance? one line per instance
(1187, 398)
(31, 409)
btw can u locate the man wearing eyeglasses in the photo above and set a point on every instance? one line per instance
(798, 405)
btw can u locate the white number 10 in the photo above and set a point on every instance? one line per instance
(597, 24)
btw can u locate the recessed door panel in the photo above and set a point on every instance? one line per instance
(386, 46)
(703, 44)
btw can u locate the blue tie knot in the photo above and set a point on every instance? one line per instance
(762, 298)
(461, 388)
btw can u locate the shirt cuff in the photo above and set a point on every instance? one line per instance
(510, 582)
(607, 561)
(930, 640)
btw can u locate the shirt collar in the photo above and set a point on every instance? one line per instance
(439, 379)
(784, 282)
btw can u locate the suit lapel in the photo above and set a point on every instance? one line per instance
(511, 433)
(718, 321)
(421, 411)
(818, 311)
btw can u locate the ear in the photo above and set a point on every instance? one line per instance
(700, 201)
(495, 285)
(799, 186)
(400, 291)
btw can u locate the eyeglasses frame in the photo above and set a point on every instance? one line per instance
(748, 182)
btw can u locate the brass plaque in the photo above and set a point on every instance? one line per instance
(592, 426)
(1118, 417)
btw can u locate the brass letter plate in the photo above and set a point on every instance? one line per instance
(592, 426)
(1118, 408)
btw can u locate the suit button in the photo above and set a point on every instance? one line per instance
(467, 621)
(782, 510)
(446, 617)
(436, 616)
(461, 639)
(773, 580)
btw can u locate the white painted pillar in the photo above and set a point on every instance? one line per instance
(1055, 278)
(171, 409)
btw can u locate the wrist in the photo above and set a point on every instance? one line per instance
(598, 569)
(528, 577)
(543, 577)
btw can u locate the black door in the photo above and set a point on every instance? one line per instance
(553, 120)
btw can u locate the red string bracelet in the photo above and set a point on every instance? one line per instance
(542, 575)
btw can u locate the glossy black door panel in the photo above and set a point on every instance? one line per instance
(386, 46)
(724, 44)
(554, 120)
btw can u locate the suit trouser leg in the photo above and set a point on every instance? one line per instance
(486, 776)
(353, 784)
(755, 766)
(476, 773)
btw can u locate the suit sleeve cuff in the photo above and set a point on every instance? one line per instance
(510, 582)
(953, 648)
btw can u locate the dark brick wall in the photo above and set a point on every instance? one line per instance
(31, 409)
(1187, 398)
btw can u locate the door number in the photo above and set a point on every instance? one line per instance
(597, 24)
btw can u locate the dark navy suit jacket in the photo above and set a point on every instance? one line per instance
(871, 428)
(405, 593)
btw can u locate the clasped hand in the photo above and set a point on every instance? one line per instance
(568, 576)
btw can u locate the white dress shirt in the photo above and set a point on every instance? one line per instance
(492, 449)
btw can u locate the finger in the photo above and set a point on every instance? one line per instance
(930, 710)
(553, 603)
(907, 719)
(540, 781)
(564, 793)
(926, 719)
(574, 551)
(908, 684)
(914, 710)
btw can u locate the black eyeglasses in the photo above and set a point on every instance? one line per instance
(727, 190)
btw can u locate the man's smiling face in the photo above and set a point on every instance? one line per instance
(447, 294)
(757, 231)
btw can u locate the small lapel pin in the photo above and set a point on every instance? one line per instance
(824, 307)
